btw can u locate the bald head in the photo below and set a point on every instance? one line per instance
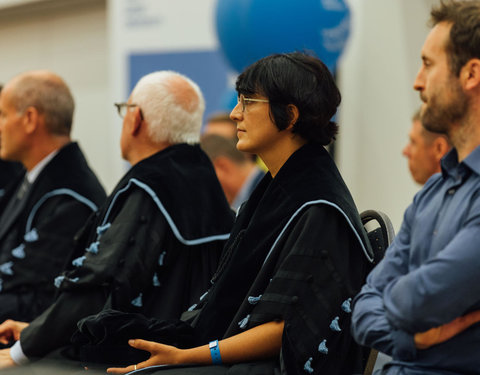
(172, 106)
(46, 92)
(183, 93)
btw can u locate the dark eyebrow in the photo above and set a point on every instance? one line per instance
(424, 57)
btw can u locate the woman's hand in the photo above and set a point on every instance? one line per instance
(160, 354)
(260, 342)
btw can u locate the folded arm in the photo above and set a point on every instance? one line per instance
(437, 335)
(440, 290)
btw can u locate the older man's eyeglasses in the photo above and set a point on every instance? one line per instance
(122, 108)
(243, 101)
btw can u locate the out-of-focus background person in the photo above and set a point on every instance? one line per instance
(424, 150)
(237, 172)
(220, 123)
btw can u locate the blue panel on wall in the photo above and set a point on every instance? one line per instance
(206, 68)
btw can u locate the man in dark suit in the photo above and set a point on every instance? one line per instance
(8, 170)
(41, 211)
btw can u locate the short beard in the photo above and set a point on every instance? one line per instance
(439, 118)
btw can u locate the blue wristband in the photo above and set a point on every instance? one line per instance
(215, 352)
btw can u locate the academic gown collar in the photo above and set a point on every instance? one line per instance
(308, 176)
(182, 182)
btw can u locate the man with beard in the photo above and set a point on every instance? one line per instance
(430, 274)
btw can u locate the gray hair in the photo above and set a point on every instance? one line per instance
(172, 106)
(49, 95)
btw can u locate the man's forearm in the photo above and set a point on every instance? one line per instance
(437, 335)
(370, 326)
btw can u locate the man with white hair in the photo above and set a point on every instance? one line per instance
(8, 173)
(154, 245)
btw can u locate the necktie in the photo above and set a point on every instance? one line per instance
(16, 203)
(22, 190)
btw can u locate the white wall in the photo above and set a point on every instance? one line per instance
(376, 78)
(69, 38)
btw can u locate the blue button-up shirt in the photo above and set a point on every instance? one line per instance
(429, 276)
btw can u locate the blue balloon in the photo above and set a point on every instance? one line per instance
(251, 29)
(231, 25)
(228, 101)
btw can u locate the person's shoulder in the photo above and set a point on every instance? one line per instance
(433, 180)
(317, 213)
(430, 188)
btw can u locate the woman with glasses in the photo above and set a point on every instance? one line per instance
(297, 255)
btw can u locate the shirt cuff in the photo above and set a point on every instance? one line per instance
(403, 346)
(17, 354)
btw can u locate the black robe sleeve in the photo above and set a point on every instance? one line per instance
(317, 268)
(307, 281)
(47, 248)
(86, 290)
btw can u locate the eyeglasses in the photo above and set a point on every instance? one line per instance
(122, 108)
(243, 101)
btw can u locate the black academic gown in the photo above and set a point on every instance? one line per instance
(151, 249)
(9, 171)
(298, 253)
(36, 242)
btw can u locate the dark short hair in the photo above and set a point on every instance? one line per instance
(464, 41)
(299, 79)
